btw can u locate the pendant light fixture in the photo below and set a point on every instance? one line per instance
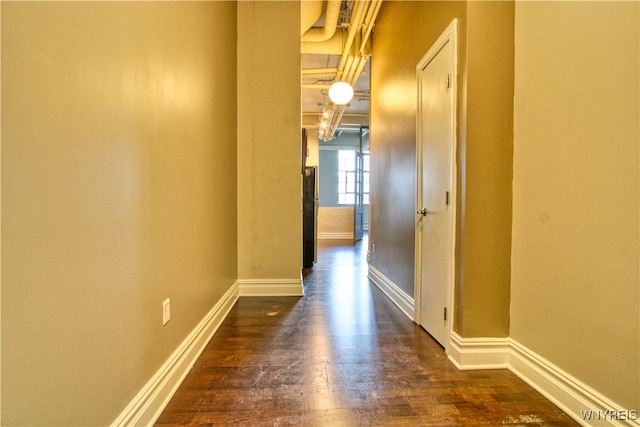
(340, 93)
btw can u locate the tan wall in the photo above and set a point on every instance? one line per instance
(332, 221)
(574, 297)
(269, 174)
(404, 33)
(485, 161)
(118, 191)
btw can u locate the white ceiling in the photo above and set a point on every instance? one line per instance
(315, 99)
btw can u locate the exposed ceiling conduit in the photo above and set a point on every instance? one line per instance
(333, 46)
(310, 12)
(316, 86)
(369, 23)
(320, 34)
(356, 22)
(308, 72)
(354, 52)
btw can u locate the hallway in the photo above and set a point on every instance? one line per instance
(343, 355)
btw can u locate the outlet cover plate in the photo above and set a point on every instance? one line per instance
(166, 311)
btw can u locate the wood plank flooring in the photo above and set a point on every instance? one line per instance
(343, 355)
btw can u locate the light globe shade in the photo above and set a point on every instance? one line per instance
(340, 93)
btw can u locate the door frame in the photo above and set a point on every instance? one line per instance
(449, 35)
(358, 203)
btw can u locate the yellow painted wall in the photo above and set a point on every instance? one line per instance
(485, 159)
(118, 191)
(333, 221)
(563, 280)
(269, 168)
(404, 33)
(575, 269)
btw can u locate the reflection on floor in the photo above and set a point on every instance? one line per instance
(343, 355)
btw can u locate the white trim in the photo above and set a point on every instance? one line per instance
(147, 406)
(478, 353)
(271, 287)
(399, 297)
(448, 36)
(348, 235)
(565, 391)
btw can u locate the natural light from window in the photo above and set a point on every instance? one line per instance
(347, 177)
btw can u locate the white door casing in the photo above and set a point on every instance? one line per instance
(436, 184)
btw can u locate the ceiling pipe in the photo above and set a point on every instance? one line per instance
(350, 67)
(316, 71)
(370, 22)
(333, 46)
(319, 72)
(354, 26)
(321, 34)
(310, 12)
(358, 70)
(337, 45)
(360, 63)
(316, 86)
(355, 52)
(347, 69)
(335, 121)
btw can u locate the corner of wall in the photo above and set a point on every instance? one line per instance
(580, 401)
(401, 299)
(271, 287)
(147, 406)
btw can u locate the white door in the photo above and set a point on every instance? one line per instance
(436, 179)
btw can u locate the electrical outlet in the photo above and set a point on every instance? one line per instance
(166, 311)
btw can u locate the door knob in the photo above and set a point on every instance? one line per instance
(422, 212)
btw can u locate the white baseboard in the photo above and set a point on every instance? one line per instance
(271, 287)
(478, 353)
(565, 391)
(147, 406)
(575, 398)
(336, 236)
(399, 297)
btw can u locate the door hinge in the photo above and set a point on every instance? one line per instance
(445, 313)
(448, 81)
(446, 195)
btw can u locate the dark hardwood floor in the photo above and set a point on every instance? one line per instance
(343, 355)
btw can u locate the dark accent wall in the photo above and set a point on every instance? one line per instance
(404, 33)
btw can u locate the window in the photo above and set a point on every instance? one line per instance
(347, 177)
